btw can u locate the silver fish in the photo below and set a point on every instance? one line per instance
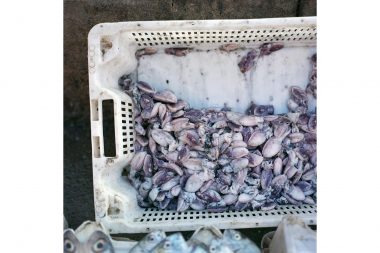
(238, 243)
(205, 235)
(97, 241)
(200, 248)
(172, 244)
(149, 241)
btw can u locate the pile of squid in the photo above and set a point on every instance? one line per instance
(217, 159)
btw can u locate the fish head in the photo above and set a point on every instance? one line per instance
(217, 246)
(173, 243)
(232, 235)
(152, 239)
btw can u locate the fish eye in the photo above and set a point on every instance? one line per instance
(151, 238)
(99, 245)
(237, 237)
(167, 245)
(69, 246)
(212, 249)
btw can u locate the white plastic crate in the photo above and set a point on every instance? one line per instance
(111, 53)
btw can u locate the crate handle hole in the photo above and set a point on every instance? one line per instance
(109, 128)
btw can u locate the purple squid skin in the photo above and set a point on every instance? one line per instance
(207, 159)
(266, 178)
(248, 61)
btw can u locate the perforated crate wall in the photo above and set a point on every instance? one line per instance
(112, 48)
(246, 36)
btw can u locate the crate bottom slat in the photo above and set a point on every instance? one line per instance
(151, 219)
